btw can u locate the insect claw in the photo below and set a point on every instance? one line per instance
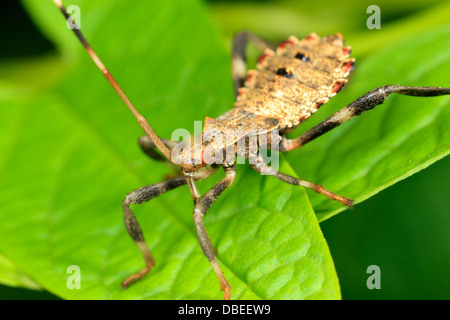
(350, 203)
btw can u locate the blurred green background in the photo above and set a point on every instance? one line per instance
(409, 243)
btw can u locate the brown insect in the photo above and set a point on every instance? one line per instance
(290, 83)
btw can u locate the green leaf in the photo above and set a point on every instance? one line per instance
(395, 140)
(11, 275)
(70, 156)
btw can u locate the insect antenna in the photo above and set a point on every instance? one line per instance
(140, 119)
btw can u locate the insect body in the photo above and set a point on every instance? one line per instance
(290, 83)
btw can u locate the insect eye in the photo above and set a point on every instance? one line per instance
(284, 72)
(302, 56)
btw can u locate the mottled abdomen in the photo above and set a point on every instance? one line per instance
(293, 82)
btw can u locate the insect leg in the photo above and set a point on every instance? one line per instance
(264, 168)
(359, 106)
(238, 62)
(134, 230)
(148, 147)
(200, 209)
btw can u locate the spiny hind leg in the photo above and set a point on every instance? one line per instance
(132, 225)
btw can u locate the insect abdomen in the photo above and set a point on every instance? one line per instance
(293, 82)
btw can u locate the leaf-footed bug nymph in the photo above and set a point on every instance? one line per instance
(291, 81)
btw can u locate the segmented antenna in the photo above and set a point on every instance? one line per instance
(140, 119)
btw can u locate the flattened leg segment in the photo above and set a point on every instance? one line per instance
(134, 230)
(200, 210)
